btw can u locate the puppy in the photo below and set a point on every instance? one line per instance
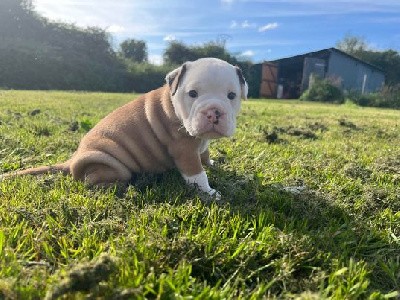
(166, 128)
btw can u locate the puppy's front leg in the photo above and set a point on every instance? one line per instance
(189, 165)
(201, 181)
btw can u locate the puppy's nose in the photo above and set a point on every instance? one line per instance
(213, 115)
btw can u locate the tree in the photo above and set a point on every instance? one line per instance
(36, 53)
(213, 49)
(17, 19)
(16, 8)
(178, 53)
(353, 45)
(135, 50)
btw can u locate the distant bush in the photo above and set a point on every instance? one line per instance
(177, 52)
(144, 77)
(323, 90)
(388, 97)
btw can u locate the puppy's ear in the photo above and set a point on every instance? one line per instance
(243, 83)
(174, 78)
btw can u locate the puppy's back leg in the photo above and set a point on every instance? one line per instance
(98, 168)
(103, 175)
(205, 158)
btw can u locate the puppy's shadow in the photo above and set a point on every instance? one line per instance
(294, 210)
(167, 187)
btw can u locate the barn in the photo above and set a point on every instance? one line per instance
(290, 77)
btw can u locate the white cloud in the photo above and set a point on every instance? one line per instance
(115, 29)
(234, 24)
(246, 24)
(269, 26)
(169, 38)
(102, 13)
(247, 53)
(227, 4)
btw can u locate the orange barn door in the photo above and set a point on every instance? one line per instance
(269, 80)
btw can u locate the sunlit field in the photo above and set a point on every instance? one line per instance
(310, 208)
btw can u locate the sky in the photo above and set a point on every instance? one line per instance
(259, 30)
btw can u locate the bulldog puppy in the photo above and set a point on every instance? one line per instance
(166, 128)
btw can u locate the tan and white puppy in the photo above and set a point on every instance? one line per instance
(163, 129)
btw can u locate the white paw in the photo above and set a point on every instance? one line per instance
(215, 194)
(212, 162)
(201, 182)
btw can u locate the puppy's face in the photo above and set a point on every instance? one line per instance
(206, 95)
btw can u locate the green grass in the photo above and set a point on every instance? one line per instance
(310, 209)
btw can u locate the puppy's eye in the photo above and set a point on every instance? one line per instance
(193, 94)
(231, 95)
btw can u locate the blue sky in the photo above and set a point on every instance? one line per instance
(258, 29)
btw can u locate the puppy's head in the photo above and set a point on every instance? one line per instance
(206, 95)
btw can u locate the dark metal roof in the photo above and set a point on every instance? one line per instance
(327, 52)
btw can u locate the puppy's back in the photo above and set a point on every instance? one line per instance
(137, 134)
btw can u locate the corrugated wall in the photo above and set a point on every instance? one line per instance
(352, 73)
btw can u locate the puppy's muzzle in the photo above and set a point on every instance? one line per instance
(213, 115)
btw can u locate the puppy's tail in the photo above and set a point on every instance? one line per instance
(59, 168)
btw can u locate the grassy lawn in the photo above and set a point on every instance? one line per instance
(310, 208)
